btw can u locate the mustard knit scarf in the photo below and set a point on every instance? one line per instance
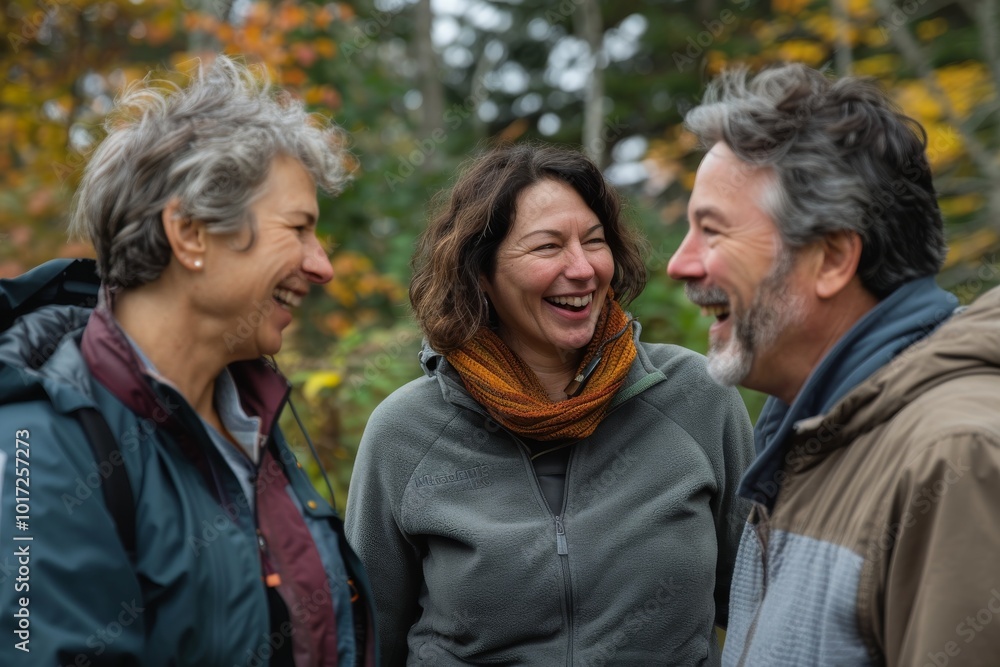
(512, 394)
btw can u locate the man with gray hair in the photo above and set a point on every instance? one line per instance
(814, 239)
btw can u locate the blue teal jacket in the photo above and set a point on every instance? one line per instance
(195, 594)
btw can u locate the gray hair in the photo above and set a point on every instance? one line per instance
(210, 146)
(843, 158)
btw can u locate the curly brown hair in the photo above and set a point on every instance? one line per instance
(473, 218)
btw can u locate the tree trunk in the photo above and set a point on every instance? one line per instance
(590, 28)
(842, 19)
(431, 88)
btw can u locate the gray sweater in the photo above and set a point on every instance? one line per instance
(470, 566)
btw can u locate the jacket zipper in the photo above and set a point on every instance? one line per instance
(562, 550)
(761, 530)
(562, 547)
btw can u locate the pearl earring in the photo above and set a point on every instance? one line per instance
(197, 263)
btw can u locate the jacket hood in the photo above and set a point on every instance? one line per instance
(30, 354)
(969, 343)
(37, 341)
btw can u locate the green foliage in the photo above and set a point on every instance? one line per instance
(339, 390)
(499, 77)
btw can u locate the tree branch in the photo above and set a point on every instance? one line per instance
(910, 50)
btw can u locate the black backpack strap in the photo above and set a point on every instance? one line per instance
(116, 488)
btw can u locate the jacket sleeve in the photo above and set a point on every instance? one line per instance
(731, 510)
(941, 582)
(67, 592)
(374, 527)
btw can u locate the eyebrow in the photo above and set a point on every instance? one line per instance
(308, 215)
(709, 212)
(552, 232)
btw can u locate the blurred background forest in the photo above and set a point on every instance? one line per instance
(420, 84)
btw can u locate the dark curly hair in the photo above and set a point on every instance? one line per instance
(460, 243)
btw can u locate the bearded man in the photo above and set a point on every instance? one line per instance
(814, 239)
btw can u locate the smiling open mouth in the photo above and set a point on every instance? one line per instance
(719, 311)
(571, 303)
(287, 299)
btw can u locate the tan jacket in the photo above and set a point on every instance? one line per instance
(883, 546)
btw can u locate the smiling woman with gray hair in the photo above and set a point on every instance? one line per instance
(201, 204)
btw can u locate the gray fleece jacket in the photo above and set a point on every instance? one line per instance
(470, 566)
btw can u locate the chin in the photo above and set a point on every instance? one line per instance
(729, 367)
(574, 345)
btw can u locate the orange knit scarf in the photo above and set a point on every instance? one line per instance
(512, 394)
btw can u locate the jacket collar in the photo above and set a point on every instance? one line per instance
(113, 363)
(904, 317)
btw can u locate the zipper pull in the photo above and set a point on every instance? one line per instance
(561, 547)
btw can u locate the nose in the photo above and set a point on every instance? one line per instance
(316, 265)
(578, 266)
(686, 262)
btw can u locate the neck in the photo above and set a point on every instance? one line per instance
(167, 332)
(554, 371)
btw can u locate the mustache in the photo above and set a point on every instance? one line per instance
(705, 296)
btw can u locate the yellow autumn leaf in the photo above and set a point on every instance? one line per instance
(971, 247)
(928, 30)
(878, 66)
(789, 6)
(944, 145)
(824, 26)
(859, 8)
(917, 101)
(319, 381)
(804, 51)
(954, 207)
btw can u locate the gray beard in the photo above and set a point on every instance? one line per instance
(771, 312)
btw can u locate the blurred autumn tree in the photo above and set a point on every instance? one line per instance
(420, 85)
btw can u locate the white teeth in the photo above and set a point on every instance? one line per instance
(287, 298)
(575, 301)
(715, 310)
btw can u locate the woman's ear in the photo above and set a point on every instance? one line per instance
(840, 256)
(187, 237)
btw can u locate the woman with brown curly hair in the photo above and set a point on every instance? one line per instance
(553, 491)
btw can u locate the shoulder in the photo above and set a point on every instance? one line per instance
(37, 421)
(686, 374)
(417, 403)
(710, 414)
(409, 420)
(952, 413)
